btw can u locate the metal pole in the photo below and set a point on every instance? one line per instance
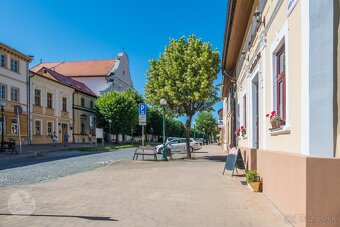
(19, 130)
(110, 132)
(142, 135)
(164, 158)
(2, 126)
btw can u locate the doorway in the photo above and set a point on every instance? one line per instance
(63, 130)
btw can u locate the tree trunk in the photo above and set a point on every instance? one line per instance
(117, 138)
(187, 135)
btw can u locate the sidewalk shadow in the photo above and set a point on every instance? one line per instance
(215, 158)
(94, 218)
(25, 161)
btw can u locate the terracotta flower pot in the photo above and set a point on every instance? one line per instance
(276, 124)
(255, 186)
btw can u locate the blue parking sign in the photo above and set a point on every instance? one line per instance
(142, 109)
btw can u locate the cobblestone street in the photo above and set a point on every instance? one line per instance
(55, 164)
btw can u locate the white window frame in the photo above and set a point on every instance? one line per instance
(41, 127)
(5, 60)
(5, 85)
(18, 94)
(16, 126)
(281, 39)
(17, 65)
(52, 128)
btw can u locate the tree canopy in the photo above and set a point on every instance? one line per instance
(120, 108)
(205, 123)
(184, 75)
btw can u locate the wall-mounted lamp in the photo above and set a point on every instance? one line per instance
(258, 17)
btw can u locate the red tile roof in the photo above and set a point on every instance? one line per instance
(79, 68)
(79, 86)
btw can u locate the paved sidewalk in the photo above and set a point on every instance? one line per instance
(143, 193)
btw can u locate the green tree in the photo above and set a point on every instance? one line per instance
(120, 108)
(184, 75)
(206, 123)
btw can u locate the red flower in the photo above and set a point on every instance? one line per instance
(273, 112)
(242, 127)
(267, 115)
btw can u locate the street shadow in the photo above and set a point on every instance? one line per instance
(48, 157)
(215, 158)
(94, 218)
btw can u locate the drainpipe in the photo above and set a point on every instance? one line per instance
(29, 101)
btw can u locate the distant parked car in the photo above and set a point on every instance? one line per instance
(200, 140)
(179, 145)
(170, 138)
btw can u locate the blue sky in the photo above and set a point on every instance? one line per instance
(58, 30)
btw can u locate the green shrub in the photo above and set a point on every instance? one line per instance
(252, 176)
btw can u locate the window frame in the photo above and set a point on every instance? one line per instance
(18, 94)
(280, 78)
(12, 65)
(5, 125)
(82, 102)
(5, 93)
(35, 97)
(49, 100)
(64, 104)
(15, 125)
(5, 60)
(52, 127)
(35, 127)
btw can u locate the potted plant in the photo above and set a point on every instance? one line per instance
(243, 130)
(254, 180)
(237, 132)
(275, 119)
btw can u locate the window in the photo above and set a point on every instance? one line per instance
(14, 65)
(65, 104)
(2, 60)
(14, 127)
(281, 83)
(91, 104)
(14, 95)
(49, 100)
(37, 97)
(245, 110)
(37, 128)
(82, 102)
(1, 125)
(49, 128)
(2, 91)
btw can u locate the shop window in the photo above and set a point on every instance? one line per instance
(49, 128)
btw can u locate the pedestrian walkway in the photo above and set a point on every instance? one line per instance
(143, 193)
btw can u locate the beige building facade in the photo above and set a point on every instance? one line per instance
(13, 92)
(280, 57)
(51, 105)
(74, 111)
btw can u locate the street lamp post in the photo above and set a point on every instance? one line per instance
(163, 103)
(110, 121)
(2, 104)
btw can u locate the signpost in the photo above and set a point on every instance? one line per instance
(142, 118)
(18, 111)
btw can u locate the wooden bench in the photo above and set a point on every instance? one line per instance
(146, 150)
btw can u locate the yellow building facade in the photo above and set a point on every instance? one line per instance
(13, 92)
